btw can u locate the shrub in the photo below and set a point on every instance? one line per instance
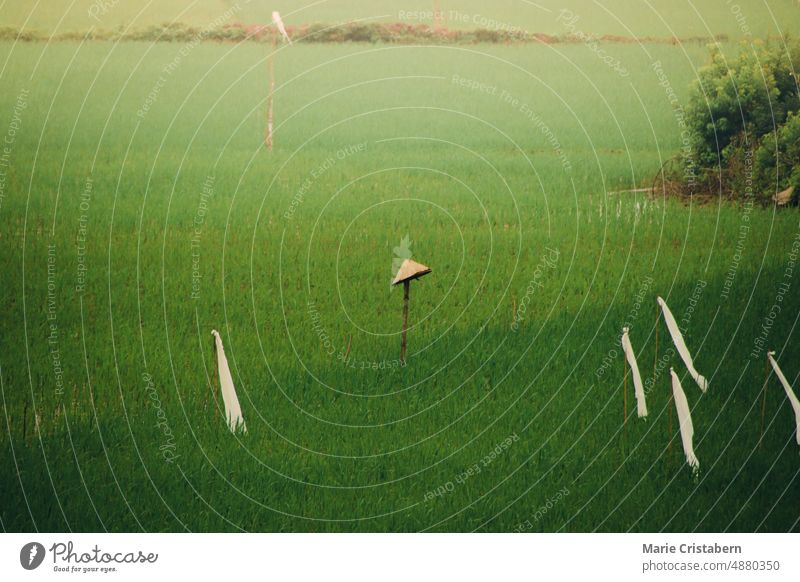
(777, 161)
(743, 120)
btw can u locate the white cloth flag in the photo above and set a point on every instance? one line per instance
(789, 393)
(677, 339)
(641, 405)
(276, 18)
(685, 420)
(233, 411)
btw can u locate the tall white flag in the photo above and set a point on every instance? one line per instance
(789, 393)
(641, 405)
(677, 339)
(233, 411)
(685, 420)
(276, 19)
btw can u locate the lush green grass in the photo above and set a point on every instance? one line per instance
(682, 18)
(482, 194)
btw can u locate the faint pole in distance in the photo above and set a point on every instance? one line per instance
(276, 20)
(271, 60)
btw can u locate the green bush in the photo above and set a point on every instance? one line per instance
(777, 161)
(743, 119)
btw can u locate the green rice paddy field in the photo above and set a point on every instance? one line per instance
(139, 210)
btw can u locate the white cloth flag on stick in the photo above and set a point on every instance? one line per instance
(677, 339)
(641, 405)
(276, 19)
(685, 421)
(789, 393)
(233, 411)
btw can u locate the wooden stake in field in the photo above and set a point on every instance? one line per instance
(268, 133)
(625, 402)
(764, 402)
(625, 398)
(408, 271)
(347, 354)
(437, 13)
(513, 310)
(670, 411)
(276, 20)
(655, 359)
(215, 384)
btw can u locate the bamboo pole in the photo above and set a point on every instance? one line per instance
(406, 292)
(625, 398)
(513, 310)
(215, 384)
(671, 412)
(764, 402)
(25, 422)
(655, 359)
(670, 404)
(271, 61)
